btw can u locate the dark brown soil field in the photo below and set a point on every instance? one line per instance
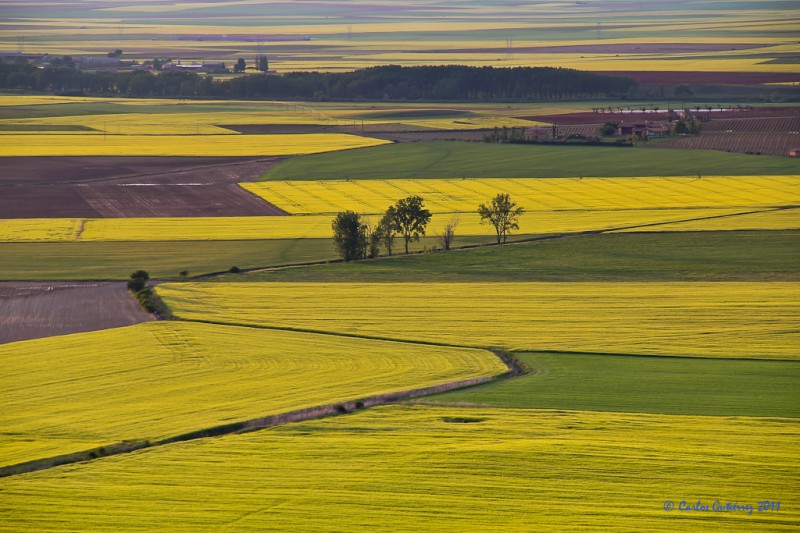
(120, 187)
(31, 310)
(710, 78)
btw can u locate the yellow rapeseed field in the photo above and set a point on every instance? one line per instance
(458, 195)
(769, 220)
(180, 145)
(190, 122)
(676, 318)
(155, 380)
(409, 469)
(319, 226)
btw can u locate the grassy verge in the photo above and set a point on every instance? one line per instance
(163, 260)
(644, 385)
(477, 160)
(719, 255)
(115, 260)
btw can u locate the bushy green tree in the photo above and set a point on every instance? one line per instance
(138, 281)
(410, 218)
(350, 235)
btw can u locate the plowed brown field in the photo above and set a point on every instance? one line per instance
(119, 187)
(30, 310)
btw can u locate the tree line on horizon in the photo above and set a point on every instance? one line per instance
(453, 82)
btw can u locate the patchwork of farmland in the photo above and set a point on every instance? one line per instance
(437, 469)
(638, 37)
(634, 347)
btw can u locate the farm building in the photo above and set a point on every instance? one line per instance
(206, 66)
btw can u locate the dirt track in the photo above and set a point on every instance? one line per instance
(31, 310)
(119, 187)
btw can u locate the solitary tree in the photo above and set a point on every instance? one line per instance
(262, 63)
(138, 281)
(350, 235)
(410, 218)
(502, 213)
(240, 65)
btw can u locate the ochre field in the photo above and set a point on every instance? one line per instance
(177, 145)
(421, 468)
(735, 320)
(161, 379)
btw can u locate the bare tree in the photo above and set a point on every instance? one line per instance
(448, 234)
(502, 213)
(373, 237)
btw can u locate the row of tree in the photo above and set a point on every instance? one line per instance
(376, 83)
(261, 63)
(355, 237)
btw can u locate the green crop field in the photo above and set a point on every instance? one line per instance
(161, 379)
(473, 160)
(677, 386)
(710, 256)
(410, 469)
(114, 260)
(162, 259)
